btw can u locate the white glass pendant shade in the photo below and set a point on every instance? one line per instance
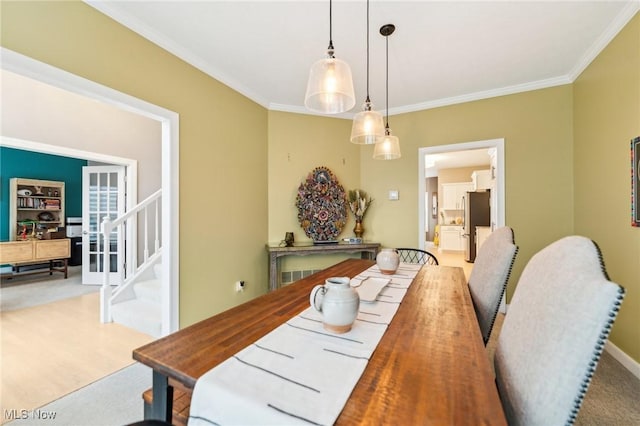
(330, 87)
(367, 128)
(387, 149)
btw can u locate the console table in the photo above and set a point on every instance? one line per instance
(368, 250)
(36, 251)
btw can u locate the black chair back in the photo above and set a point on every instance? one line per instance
(411, 255)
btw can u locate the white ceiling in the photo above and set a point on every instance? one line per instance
(454, 159)
(466, 158)
(442, 52)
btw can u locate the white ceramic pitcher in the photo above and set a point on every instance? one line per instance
(337, 302)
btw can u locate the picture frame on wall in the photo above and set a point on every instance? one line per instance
(635, 182)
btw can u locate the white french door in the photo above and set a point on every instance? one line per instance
(103, 195)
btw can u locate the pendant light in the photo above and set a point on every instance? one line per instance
(330, 85)
(368, 125)
(389, 147)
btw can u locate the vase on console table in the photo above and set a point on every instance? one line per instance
(388, 261)
(358, 229)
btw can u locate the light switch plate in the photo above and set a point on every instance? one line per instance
(393, 195)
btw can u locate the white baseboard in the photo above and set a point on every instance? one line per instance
(624, 359)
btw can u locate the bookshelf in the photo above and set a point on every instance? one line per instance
(36, 208)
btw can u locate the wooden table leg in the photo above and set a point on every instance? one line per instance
(162, 405)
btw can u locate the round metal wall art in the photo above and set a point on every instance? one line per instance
(322, 206)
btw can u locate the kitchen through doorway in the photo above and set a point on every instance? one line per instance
(427, 188)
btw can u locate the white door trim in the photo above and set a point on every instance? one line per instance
(169, 120)
(498, 144)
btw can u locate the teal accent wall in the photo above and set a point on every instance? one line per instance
(34, 165)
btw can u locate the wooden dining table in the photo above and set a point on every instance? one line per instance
(431, 366)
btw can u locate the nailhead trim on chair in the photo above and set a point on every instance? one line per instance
(604, 335)
(504, 287)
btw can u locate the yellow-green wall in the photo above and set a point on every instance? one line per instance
(240, 165)
(223, 142)
(299, 143)
(607, 117)
(538, 133)
(536, 127)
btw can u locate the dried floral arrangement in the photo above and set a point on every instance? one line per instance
(359, 202)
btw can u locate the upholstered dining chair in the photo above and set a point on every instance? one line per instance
(554, 332)
(489, 276)
(411, 255)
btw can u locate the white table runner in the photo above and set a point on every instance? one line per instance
(299, 373)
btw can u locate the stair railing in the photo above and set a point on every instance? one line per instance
(141, 226)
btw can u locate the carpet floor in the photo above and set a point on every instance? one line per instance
(612, 397)
(21, 292)
(113, 400)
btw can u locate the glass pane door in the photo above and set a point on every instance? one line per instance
(103, 196)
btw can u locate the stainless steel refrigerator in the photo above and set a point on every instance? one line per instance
(477, 212)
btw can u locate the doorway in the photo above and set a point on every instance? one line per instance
(122, 165)
(424, 205)
(168, 120)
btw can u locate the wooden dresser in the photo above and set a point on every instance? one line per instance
(36, 251)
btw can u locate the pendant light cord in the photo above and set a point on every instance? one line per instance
(368, 101)
(386, 31)
(330, 28)
(387, 83)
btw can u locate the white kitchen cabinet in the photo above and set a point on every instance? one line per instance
(451, 238)
(481, 180)
(449, 197)
(453, 193)
(482, 232)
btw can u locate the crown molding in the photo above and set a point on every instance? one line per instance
(177, 50)
(186, 55)
(493, 93)
(605, 38)
(296, 109)
(437, 103)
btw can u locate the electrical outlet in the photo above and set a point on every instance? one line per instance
(239, 286)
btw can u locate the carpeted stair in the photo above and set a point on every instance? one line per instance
(143, 313)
